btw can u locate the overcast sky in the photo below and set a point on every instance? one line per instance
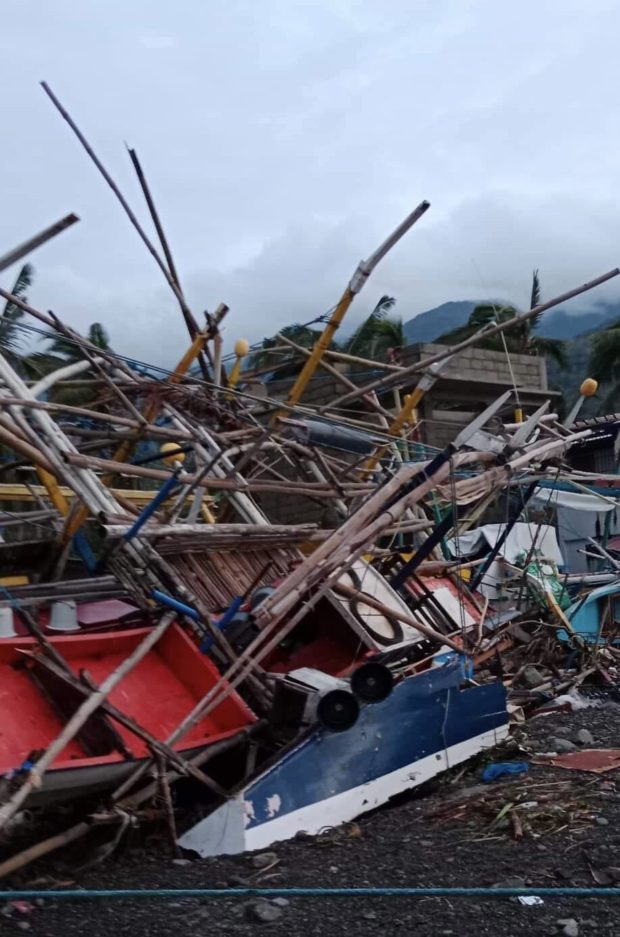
(284, 139)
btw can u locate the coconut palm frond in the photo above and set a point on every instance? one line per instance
(535, 295)
(98, 336)
(604, 363)
(550, 348)
(10, 336)
(383, 307)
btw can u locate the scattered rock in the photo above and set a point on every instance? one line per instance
(182, 862)
(569, 926)
(427, 843)
(265, 912)
(512, 882)
(238, 881)
(369, 916)
(280, 902)
(24, 925)
(532, 677)
(263, 859)
(562, 746)
(584, 737)
(602, 821)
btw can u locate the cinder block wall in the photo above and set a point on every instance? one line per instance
(478, 364)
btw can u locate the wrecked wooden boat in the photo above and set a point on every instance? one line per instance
(37, 699)
(429, 723)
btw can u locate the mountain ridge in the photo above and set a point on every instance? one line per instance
(557, 323)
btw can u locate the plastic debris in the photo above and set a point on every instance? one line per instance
(501, 769)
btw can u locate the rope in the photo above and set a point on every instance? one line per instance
(78, 894)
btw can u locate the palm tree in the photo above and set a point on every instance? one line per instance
(10, 336)
(379, 335)
(604, 363)
(521, 339)
(284, 363)
(67, 350)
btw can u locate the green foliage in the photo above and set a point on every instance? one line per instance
(378, 333)
(520, 340)
(67, 350)
(10, 335)
(265, 359)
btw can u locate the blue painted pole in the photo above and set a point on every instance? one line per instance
(226, 618)
(175, 604)
(151, 507)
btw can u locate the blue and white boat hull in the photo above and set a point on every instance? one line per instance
(428, 724)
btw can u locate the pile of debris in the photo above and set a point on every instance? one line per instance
(171, 654)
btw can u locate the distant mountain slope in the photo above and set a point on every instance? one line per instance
(557, 323)
(431, 324)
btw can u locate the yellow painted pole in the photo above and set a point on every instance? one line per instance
(407, 412)
(358, 280)
(321, 346)
(242, 348)
(53, 489)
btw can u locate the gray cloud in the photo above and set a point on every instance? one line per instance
(283, 141)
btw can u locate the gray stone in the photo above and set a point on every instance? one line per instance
(182, 862)
(24, 925)
(602, 821)
(280, 902)
(584, 737)
(238, 881)
(532, 677)
(512, 882)
(427, 843)
(569, 925)
(562, 746)
(263, 859)
(265, 912)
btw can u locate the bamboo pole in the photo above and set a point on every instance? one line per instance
(372, 402)
(224, 484)
(364, 362)
(22, 250)
(190, 322)
(398, 379)
(187, 314)
(363, 271)
(75, 723)
(112, 418)
(13, 441)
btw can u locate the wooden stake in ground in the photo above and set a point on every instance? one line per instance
(73, 726)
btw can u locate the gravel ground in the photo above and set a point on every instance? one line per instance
(455, 834)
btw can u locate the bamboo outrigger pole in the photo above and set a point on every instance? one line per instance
(32, 243)
(364, 269)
